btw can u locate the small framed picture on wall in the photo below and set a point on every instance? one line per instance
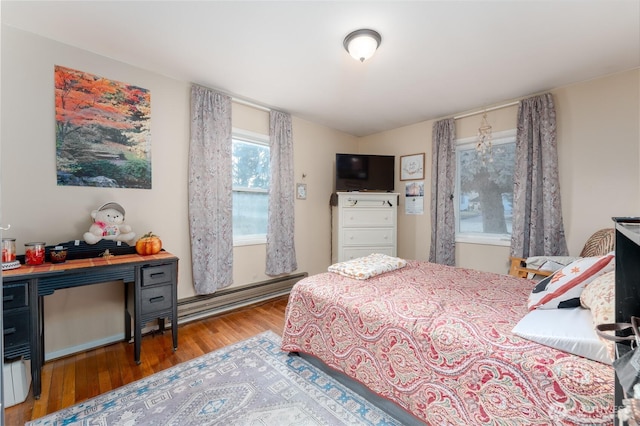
(412, 167)
(301, 191)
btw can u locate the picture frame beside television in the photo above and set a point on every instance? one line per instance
(412, 167)
(364, 172)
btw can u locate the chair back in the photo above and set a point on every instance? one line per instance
(600, 243)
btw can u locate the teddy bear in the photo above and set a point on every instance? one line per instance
(108, 224)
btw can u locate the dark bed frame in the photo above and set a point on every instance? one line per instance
(391, 408)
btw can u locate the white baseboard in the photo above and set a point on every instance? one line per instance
(48, 356)
(196, 308)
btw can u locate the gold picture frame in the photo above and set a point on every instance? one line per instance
(412, 167)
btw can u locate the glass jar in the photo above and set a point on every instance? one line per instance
(34, 253)
(8, 250)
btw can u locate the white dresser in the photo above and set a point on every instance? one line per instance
(364, 223)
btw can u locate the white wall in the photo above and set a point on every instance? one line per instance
(598, 149)
(598, 139)
(39, 210)
(598, 124)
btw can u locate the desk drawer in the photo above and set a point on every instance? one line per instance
(155, 299)
(16, 328)
(152, 275)
(15, 296)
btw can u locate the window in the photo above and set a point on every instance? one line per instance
(484, 190)
(250, 156)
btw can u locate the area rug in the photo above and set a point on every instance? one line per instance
(251, 382)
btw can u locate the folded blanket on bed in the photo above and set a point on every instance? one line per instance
(549, 263)
(368, 266)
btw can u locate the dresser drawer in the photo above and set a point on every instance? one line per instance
(350, 253)
(155, 299)
(368, 236)
(15, 295)
(365, 217)
(152, 275)
(16, 328)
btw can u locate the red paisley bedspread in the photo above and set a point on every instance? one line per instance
(437, 341)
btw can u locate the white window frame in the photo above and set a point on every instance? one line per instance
(259, 139)
(507, 136)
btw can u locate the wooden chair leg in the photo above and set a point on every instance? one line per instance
(517, 268)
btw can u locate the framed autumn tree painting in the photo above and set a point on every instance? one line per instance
(103, 135)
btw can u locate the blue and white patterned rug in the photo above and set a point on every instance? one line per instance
(251, 382)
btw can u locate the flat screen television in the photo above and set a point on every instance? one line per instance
(362, 172)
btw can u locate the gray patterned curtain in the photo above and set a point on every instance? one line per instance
(210, 190)
(281, 252)
(443, 172)
(537, 228)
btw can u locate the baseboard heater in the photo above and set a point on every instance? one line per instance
(197, 307)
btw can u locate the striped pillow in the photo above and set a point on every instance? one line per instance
(564, 287)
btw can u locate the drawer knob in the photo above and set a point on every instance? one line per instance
(8, 298)
(9, 330)
(156, 299)
(156, 274)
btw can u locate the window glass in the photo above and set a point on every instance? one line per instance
(484, 190)
(251, 177)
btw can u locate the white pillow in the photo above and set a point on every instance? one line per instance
(369, 266)
(564, 287)
(549, 263)
(569, 330)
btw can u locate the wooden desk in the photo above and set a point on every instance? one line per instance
(150, 293)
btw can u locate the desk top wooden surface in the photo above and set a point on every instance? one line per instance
(86, 263)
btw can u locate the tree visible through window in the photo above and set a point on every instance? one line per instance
(484, 190)
(251, 175)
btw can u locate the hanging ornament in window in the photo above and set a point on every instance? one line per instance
(484, 141)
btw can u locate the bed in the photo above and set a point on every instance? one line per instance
(438, 342)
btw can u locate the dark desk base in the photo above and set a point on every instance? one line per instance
(152, 280)
(136, 316)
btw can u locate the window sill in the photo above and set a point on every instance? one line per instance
(485, 240)
(249, 241)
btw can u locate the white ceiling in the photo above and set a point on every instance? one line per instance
(437, 58)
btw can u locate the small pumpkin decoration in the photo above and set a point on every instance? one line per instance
(149, 243)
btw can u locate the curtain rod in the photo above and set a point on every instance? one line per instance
(457, 117)
(250, 104)
(238, 100)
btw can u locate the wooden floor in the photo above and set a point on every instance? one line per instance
(75, 378)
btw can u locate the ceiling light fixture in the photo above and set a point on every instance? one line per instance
(362, 44)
